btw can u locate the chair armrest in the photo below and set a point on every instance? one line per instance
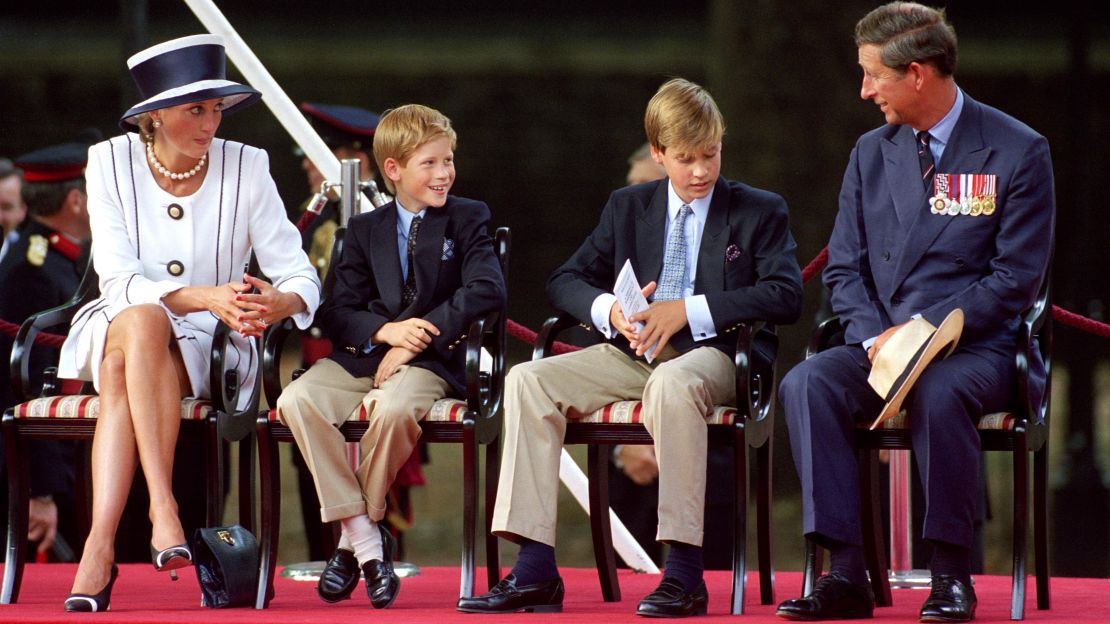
(37, 323)
(756, 381)
(545, 339)
(273, 343)
(1034, 332)
(828, 333)
(484, 390)
(225, 386)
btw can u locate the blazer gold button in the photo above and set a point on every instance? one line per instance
(175, 211)
(462, 337)
(350, 349)
(175, 268)
(451, 347)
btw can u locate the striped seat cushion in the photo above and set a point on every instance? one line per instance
(998, 421)
(628, 412)
(88, 406)
(443, 411)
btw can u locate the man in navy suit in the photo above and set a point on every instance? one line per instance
(949, 205)
(414, 274)
(714, 253)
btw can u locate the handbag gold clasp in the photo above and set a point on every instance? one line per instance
(225, 537)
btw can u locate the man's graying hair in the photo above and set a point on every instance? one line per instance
(906, 32)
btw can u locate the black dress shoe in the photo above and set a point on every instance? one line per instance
(949, 601)
(833, 598)
(672, 600)
(382, 583)
(508, 597)
(102, 601)
(339, 578)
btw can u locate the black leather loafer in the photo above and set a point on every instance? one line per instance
(949, 601)
(382, 583)
(833, 598)
(339, 578)
(508, 597)
(671, 600)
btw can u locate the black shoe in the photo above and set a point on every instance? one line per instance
(171, 559)
(671, 600)
(339, 578)
(949, 601)
(833, 598)
(382, 583)
(508, 597)
(102, 601)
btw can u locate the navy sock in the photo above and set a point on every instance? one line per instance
(685, 565)
(951, 560)
(535, 564)
(847, 561)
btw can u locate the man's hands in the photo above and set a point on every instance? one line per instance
(880, 341)
(42, 522)
(638, 463)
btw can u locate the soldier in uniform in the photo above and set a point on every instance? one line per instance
(12, 210)
(41, 270)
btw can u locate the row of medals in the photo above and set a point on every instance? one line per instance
(974, 206)
(976, 194)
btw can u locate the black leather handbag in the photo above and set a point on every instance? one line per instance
(226, 560)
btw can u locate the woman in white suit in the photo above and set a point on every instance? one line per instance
(175, 214)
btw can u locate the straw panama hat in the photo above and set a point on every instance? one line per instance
(906, 354)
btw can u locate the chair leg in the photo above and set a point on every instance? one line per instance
(1021, 515)
(1040, 523)
(599, 522)
(739, 520)
(763, 510)
(269, 489)
(247, 516)
(18, 501)
(871, 524)
(493, 546)
(214, 473)
(470, 510)
(814, 560)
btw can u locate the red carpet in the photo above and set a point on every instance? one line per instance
(142, 595)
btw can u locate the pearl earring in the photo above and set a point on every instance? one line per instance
(157, 124)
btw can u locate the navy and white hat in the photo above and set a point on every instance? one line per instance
(181, 71)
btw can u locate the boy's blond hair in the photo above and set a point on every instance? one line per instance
(402, 130)
(682, 114)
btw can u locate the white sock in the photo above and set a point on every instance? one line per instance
(364, 537)
(344, 541)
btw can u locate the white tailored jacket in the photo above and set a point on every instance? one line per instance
(148, 243)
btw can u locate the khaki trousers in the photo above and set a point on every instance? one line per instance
(541, 395)
(317, 403)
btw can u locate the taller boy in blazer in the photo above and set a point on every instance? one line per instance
(949, 205)
(716, 253)
(414, 274)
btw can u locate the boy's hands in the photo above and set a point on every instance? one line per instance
(394, 359)
(414, 335)
(619, 323)
(661, 320)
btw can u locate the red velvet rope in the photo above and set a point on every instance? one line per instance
(524, 334)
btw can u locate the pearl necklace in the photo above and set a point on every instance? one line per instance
(170, 174)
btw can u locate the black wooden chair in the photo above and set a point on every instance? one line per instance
(473, 422)
(749, 424)
(1020, 431)
(56, 416)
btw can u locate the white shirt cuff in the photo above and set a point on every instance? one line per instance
(699, 318)
(599, 313)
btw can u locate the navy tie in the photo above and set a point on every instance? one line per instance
(925, 158)
(408, 293)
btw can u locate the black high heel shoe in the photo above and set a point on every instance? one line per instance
(171, 559)
(84, 603)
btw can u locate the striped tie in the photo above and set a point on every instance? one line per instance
(672, 279)
(925, 159)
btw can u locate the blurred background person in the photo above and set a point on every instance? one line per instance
(12, 210)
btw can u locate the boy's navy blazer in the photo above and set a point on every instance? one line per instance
(891, 258)
(746, 267)
(458, 279)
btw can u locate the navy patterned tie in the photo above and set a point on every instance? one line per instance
(925, 158)
(672, 279)
(408, 293)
